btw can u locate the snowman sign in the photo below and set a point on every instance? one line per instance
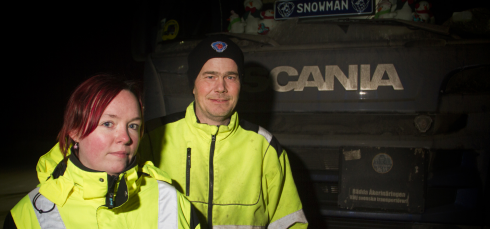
(285, 9)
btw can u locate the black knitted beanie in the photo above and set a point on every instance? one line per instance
(218, 46)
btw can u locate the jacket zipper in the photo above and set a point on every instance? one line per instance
(188, 173)
(111, 183)
(211, 182)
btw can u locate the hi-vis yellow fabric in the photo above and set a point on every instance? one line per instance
(237, 176)
(80, 196)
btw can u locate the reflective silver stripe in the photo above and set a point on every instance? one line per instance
(238, 227)
(287, 221)
(167, 206)
(50, 219)
(265, 133)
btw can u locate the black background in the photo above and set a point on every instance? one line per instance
(49, 48)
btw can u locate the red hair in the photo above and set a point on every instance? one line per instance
(88, 102)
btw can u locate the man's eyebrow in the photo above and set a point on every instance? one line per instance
(210, 72)
(232, 73)
(217, 73)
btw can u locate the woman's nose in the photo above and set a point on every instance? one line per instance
(123, 137)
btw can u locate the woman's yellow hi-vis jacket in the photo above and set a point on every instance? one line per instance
(73, 196)
(237, 176)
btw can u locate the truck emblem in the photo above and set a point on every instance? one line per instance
(285, 8)
(326, 83)
(219, 46)
(360, 5)
(382, 163)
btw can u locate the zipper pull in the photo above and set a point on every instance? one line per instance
(111, 182)
(188, 173)
(111, 200)
(189, 157)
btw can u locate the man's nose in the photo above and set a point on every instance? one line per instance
(221, 86)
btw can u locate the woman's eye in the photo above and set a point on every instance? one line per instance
(108, 124)
(134, 126)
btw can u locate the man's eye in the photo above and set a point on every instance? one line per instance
(108, 124)
(134, 126)
(232, 77)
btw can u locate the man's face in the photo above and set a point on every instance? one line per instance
(216, 91)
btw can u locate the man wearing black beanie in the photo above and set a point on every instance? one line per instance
(213, 47)
(215, 74)
(234, 172)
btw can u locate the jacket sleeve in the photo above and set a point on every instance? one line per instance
(188, 219)
(23, 215)
(284, 206)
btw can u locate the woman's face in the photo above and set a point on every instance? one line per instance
(112, 145)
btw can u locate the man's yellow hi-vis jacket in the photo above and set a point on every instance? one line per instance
(74, 196)
(237, 176)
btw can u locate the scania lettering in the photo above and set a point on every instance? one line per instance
(333, 71)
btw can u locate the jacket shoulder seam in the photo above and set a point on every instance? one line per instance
(265, 133)
(246, 125)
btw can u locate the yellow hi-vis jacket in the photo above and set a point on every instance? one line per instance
(77, 197)
(237, 176)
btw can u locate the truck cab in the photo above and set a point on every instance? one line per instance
(386, 121)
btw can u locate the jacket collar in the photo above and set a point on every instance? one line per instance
(205, 130)
(91, 184)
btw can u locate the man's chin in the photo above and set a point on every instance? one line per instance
(225, 113)
(220, 116)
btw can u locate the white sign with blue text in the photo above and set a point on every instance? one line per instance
(312, 8)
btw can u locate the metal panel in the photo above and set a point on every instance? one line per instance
(382, 178)
(386, 79)
(318, 80)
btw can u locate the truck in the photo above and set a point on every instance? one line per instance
(386, 122)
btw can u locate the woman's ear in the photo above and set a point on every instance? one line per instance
(74, 135)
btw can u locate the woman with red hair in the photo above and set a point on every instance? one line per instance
(98, 183)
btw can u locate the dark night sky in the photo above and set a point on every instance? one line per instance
(50, 50)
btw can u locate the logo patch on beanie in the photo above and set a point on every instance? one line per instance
(219, 46)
